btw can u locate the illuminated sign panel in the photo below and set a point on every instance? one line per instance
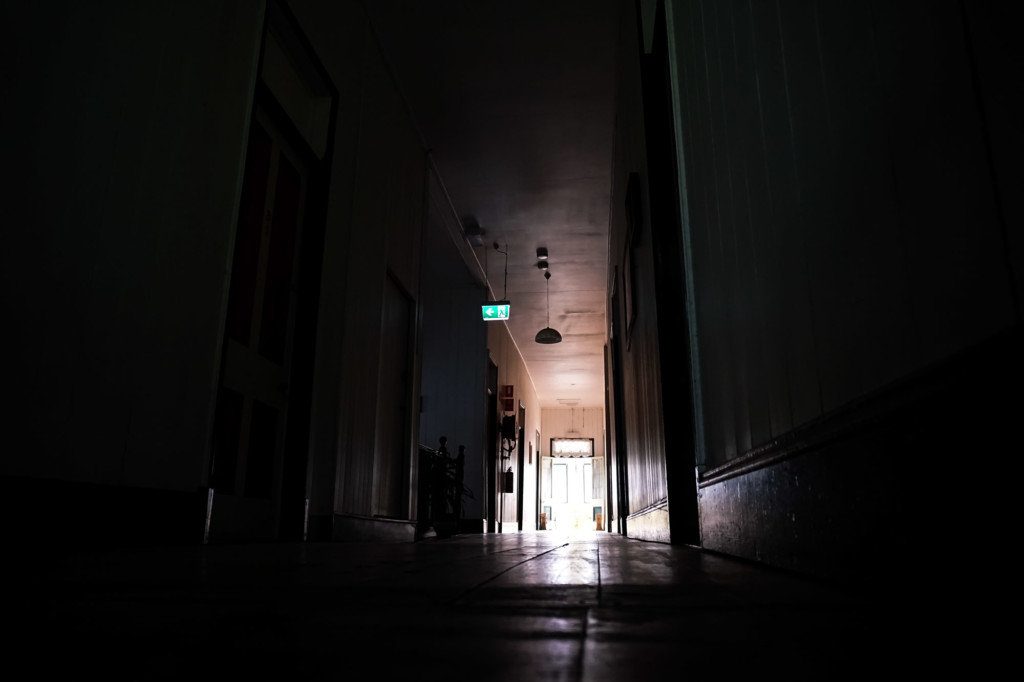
(572, 447)
(496, 310)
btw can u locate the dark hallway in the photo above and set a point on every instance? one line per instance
(760, 272)
(530, 606)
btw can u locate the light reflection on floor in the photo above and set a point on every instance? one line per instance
(563, 605)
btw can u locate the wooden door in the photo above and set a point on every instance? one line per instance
(521, 465)
(252, 405)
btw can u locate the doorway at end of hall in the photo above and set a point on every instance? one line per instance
(572, 493)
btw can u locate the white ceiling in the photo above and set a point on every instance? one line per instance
(515, 100)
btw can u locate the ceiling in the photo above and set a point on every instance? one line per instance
(515, 100)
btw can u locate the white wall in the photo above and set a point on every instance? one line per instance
(513, 371)
(579, 422)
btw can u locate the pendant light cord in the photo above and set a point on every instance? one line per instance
(547, 293)
(504, 293)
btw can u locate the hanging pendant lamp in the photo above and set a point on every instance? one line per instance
(547, 334)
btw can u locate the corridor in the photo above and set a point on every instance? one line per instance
(531, 606)
(250, 250)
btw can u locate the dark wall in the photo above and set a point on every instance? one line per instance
(124, 134)
(855, 266)
(641, 445)
(842, 217)
(127, 131)
(454, 351)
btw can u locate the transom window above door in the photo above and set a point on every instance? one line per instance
(572, 447)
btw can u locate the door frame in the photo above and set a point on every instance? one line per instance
(290, 516)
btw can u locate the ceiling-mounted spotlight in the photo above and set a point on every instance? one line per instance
(542, 264)
(542, 253)
(547, 334)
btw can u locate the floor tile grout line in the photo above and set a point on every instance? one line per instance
(498, 575)
(581, 656)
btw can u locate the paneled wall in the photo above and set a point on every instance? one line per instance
(854, 268)
(635, 326)
(131, 139)
(853, 272)
(386, 222)
(376, 218)
(842, 223)
(129, 130)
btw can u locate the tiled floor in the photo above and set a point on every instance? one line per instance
(531, 606)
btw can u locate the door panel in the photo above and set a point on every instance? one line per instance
(520, 466)
(253, 400)
(277, 283)
(248, 237)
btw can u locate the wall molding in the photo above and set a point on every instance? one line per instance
(960, 374)
(657, 506)
(651, 524)
(892, 475)
(356, 528)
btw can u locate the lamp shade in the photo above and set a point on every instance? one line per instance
(548, 335)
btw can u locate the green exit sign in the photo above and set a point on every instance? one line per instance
(496, 310)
